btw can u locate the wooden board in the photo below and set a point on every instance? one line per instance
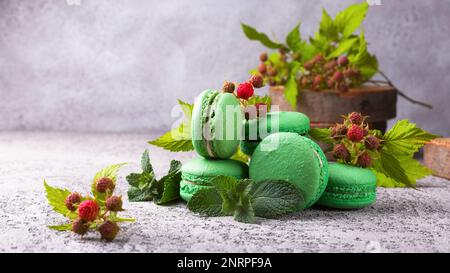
(327, 106)
(437, 156)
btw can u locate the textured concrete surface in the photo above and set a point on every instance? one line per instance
(113, 65)
(402, 220)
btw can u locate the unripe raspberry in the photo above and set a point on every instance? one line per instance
(338, 131)
(104, 184)
(351, 73)
(272, 82)
(257, 81)
(341, 152)
(355, 133)
(108, 230)
(263, 57)
(364, 160)
(308, 65)
(88, 210)
(228, 87)
(338, 76)
(304, 81)
(262, 68)
(372, 142)
(80, 227)
(318, 58)
(272, 71)
(331, 65)
(342, 60)
(245, 90)
(114, 203)
(71, 200)
(331, 83)
(355, 118)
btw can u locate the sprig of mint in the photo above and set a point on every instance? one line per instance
(394, 164)
(245, 199)
(145, 187)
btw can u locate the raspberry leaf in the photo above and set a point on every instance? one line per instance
(291, 90)
(272, 198)
(293, 39)
(206, 202)
(254, 35)
(321, 134)
(240, 156)
(327, 28)
(56, 198)
(109, 172)
(350, 19)
(343, 47)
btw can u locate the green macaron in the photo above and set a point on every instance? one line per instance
(273, 122)
(294, 158)
(197, 173)
(349, 187)
(216, 124)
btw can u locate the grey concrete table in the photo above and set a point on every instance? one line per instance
(402, 220)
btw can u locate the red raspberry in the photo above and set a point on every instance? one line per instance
(341, 152)
(355, 133)
(257, 81)
(80, 227)
(364, 160)
(372, 142)
(355, 118)
(342, 60)
(108, 230)
(308, 65)
(318, 58)
(88, 210)
(318, 79)
(104, 184)
(245, 90)
(263, 57)
(228, 87)
(262, 68)
(71, 199)
(114, 203)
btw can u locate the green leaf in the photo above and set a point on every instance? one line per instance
(240, 156)
(307, 50)
(206, 202)
(56, 198)
(321, 134)
(349, 20)
(343, 47)
(327, 29)
(291, 88)
(137, 195)
(254, 35)
(260, 99)
(145, 162)
(171, 184)
(65, 227)
(363, 60)
(405, 138)
(272, 198)
(245, 213)
(133, 179)
(293, 39)
(109, 172)
(226, 186)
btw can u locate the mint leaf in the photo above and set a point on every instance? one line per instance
(293, 39)
(244, 212)
(56, 198)
(405, 138)
(206, 202)
(145, 162)
(321, 134)
(349, 20)
(65, 227)
(109, 172)
(137, 195)
(226, 187)
(170, 184)
(272, 198)
(254, 35)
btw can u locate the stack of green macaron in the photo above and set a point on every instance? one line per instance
(279, 149)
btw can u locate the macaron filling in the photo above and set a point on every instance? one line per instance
(208, 115)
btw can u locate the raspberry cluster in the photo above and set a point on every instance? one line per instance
(337, 74)
(275, 74)
(244, 92)
(353, 142)
(91, 216)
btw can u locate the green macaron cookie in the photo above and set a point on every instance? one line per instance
(197, 173)
(273, 122)
(216, 124)
(349, 187)
(294, 158)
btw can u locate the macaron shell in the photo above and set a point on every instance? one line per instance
(197, 173)
(274, 122)
(291, 157)
(201, 104)
(349, 187)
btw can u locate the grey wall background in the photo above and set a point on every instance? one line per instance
(121, 65)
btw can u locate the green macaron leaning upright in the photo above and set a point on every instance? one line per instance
(293, 158)
(349, 187)
(216, 124)
(197, 173)
(257, 129)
